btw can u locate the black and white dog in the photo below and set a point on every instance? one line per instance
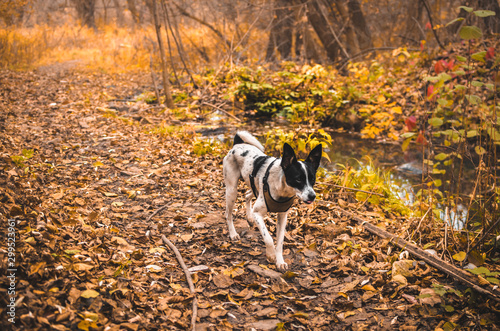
(274, 182)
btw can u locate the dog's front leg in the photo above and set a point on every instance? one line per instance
(259, 210)
(280, 236)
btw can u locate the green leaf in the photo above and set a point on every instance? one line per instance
(461, 58)
(408, 134)
(473, 99)
(480, 271)
(479, 56)
(28, 153)
(432, 79)
(493, 280)
(467, 9)
(441, 156)
(439, 289)
(471, 133)
(469, 32)
(476, 83)
(479, 150)
(449, 326)
(444, 76)
(435, 121)
(437, 182)
(455, 20)
(483, 13)
(449, 309)
(460, 256)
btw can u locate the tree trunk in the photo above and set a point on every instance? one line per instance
(320, 25)
(413, 31)
(133, 10)
(166, 83)
(85, 10)
(119, 13)
(359, 25)
(280, 38)
(352, 41)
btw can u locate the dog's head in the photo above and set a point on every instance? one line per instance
(301, 175)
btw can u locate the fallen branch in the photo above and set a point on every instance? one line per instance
(184, 268)
(351, 188)
(222, 110)
(188, 278)
(263, 272)
(458, 274)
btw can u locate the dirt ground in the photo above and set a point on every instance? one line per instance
(88, 258)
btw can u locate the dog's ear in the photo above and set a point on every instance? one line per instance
(288, 157)
(314, 157)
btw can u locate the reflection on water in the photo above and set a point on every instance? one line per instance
(406, 169)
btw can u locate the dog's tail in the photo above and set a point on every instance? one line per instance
(244, 137)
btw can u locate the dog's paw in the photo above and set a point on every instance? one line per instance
(271, 255)
(234, 237)
(283, 266)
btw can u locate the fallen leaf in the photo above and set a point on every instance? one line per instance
(89, 294)
(222, 281)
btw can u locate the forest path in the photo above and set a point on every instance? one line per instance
(87, 258)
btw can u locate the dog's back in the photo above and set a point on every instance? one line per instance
(247, 151)
(245, 137)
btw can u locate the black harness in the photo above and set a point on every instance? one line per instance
(275, 206)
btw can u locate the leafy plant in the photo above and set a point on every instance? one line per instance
(209, 146)
(375, 187)
(19, 160)
(299, 140)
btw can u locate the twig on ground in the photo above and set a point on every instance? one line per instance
(188, 278)
(222, 110)
(156, 212)
(351, 189)
(184, 268)
(154, 107)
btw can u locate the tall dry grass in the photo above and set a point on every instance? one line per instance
(118, 49)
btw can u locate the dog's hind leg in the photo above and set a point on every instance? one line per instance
(248, 204)
(231, 180)
(280, 236)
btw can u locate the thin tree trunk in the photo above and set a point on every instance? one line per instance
(119, 13)
(414, 17)
(166, 83)
(320, 25)
(351, 39)
(202, 22)
(281, 36)
(86, 12)
(359, 24)
(178, 42)
(133, 10)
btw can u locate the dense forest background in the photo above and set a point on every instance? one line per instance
(206, 32)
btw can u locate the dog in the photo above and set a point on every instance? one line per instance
(274, 183)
